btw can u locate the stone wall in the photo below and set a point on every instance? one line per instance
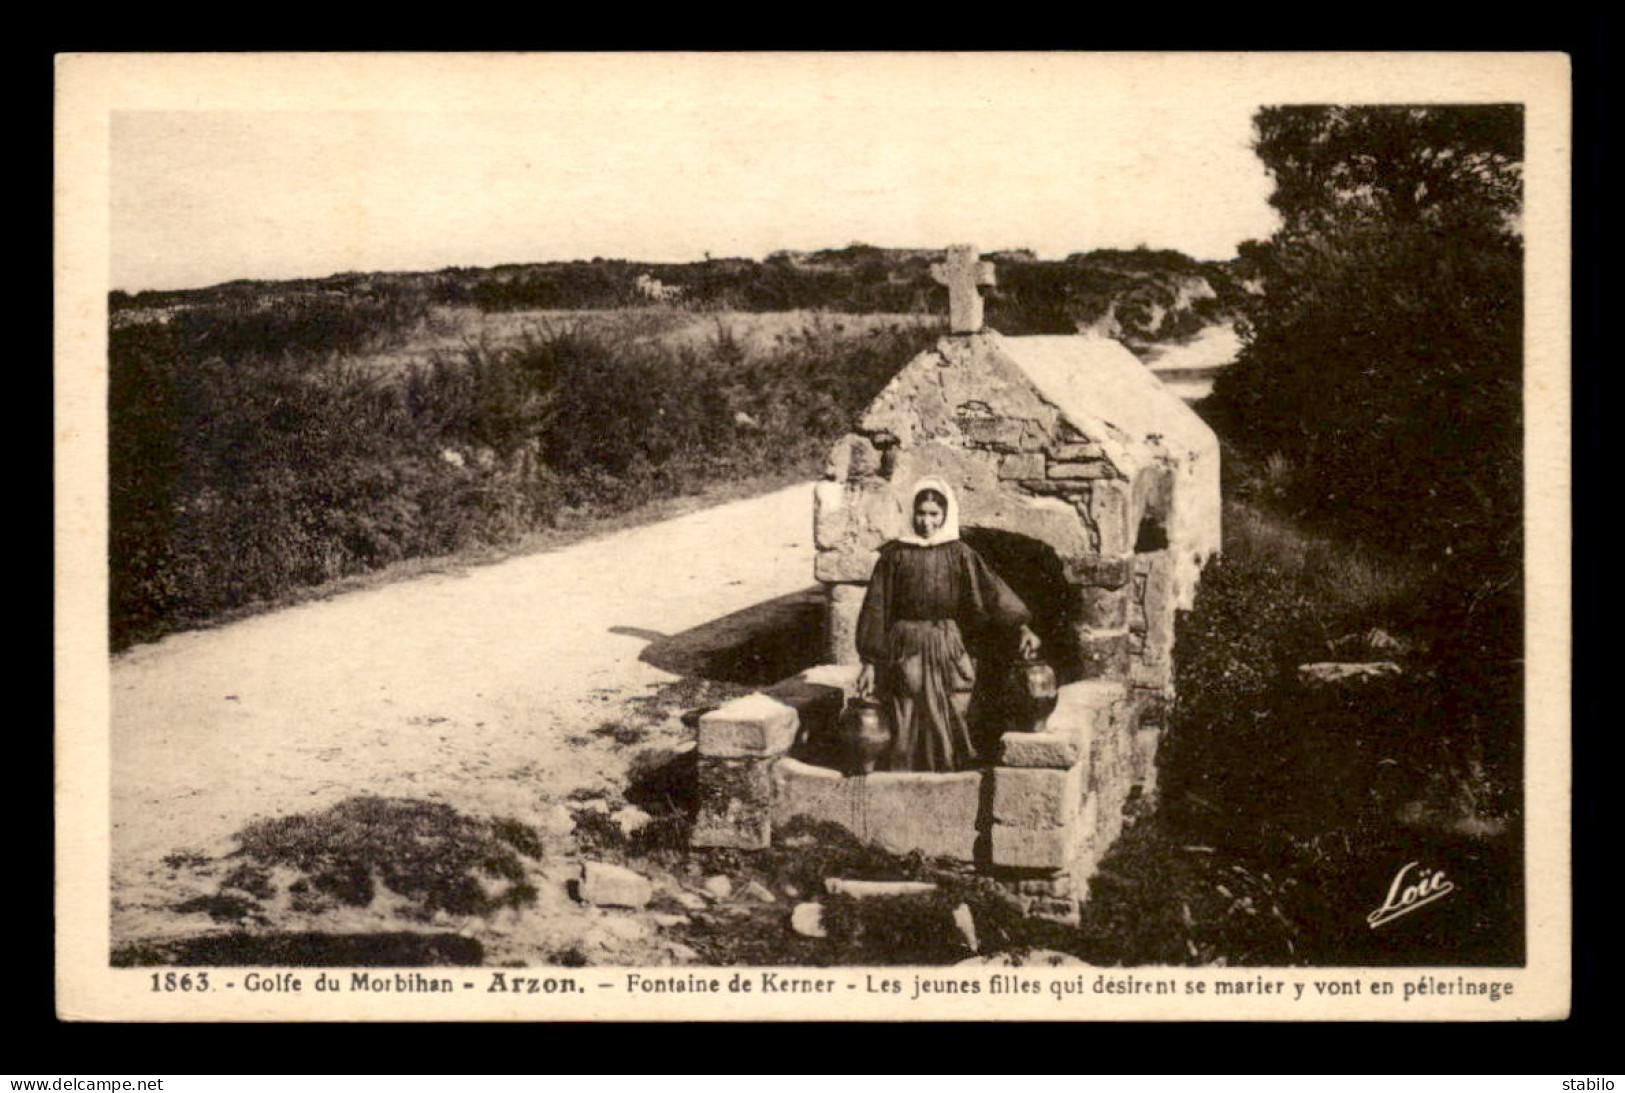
(742, 740)
(1040, 819)
(1097, 487)
(1017, 465)
(1059, 797)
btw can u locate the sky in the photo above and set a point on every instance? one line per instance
(668, 159)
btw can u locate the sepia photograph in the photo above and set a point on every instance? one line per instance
(829, 536)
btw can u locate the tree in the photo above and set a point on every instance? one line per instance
(1446, 167)
(1384, 357)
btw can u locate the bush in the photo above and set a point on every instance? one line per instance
(428, 853)
(238, 480)
(1249, 743)
(242, 478)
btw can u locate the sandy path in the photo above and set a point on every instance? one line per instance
(459, 687)
(1189, 368)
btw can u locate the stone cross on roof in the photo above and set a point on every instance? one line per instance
(962, 273)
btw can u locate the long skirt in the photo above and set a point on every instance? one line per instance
(925, 685)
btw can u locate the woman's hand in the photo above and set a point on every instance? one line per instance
(1029, 642)
(866, 681)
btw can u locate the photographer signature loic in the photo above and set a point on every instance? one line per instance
(1410, 891)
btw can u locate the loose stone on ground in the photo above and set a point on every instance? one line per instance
(606, 885)
(808, 920)
(866, 889)
(1332, 674)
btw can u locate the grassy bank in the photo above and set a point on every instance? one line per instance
(253, 459)
(1286, 808)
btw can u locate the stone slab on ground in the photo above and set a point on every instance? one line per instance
(756, 890)
(967, 926)
(605, 885)
(869, 889)
(631, 819)
(1334, 674)
(691, 901)
(808, 920)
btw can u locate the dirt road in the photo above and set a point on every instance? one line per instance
(464, 688)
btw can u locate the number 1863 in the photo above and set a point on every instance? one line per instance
(164, 982)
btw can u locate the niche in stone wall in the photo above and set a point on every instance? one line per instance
(1153, 494)
(1151, 600)
(1152, 535)
(1034, 572)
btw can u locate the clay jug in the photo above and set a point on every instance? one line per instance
(863, 734)
(1031, 694)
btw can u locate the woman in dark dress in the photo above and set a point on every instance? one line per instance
(926, 587)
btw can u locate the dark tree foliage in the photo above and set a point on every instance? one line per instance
(1446, 167)
(1383, 360)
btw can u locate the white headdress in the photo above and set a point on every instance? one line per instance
(949, 531)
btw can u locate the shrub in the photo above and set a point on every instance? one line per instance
(429, 853)
(239, 480)
(1250, 743)
(242, 478)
